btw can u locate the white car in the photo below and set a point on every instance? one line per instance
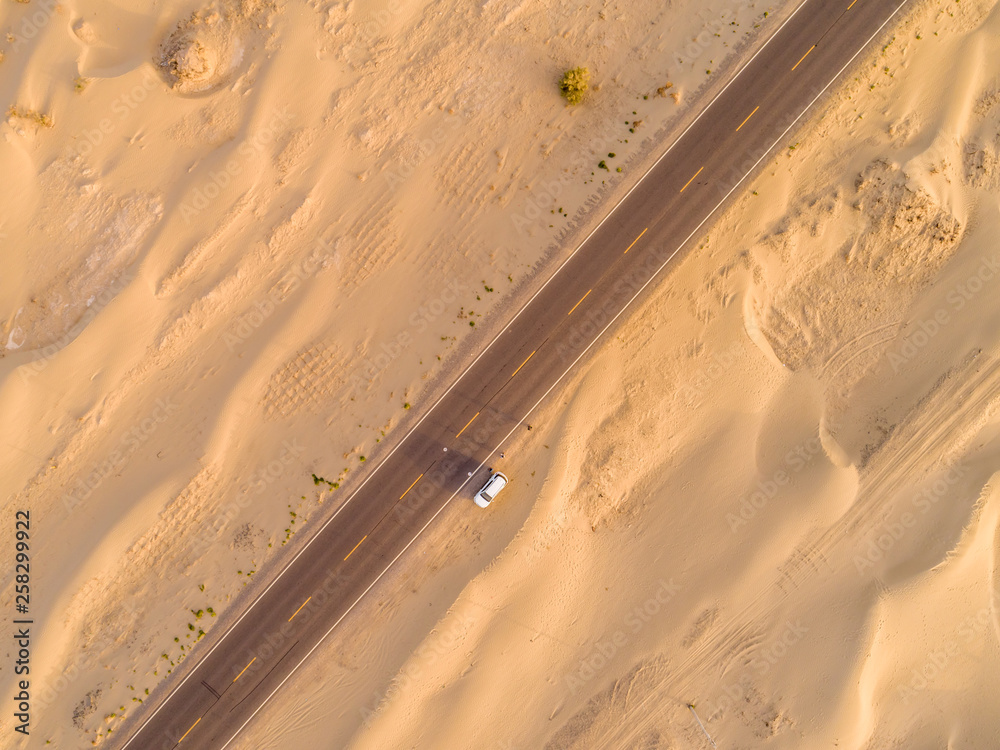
(491, 489)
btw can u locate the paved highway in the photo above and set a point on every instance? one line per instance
(444, 457)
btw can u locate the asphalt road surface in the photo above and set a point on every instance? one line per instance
(465, 430)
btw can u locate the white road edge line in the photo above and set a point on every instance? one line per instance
(473, 364)
(582, 354)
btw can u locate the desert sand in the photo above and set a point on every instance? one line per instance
(246, 242)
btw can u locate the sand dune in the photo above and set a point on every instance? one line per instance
(796, 438)
(770, 495)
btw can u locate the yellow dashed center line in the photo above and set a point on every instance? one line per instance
(636, 239)
(307, 600)
(851, 5)
(803, 57)
(458, 435)
(188, 732)
(691, 180)
(748, 117)
(245, 669)
(581, 300)
(410, 487)
(524, 363)
(356, 546)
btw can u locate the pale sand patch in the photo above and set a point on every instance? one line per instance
(240, 237)
(772, 495)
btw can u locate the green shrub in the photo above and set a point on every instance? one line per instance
(574, 84)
